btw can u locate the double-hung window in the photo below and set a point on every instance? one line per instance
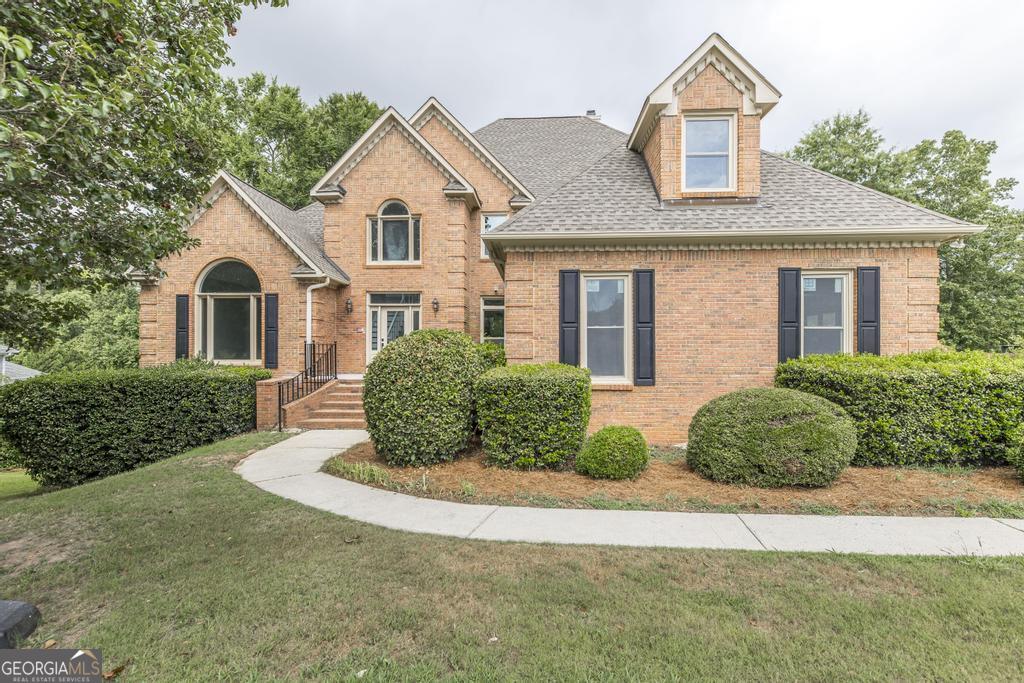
(606, 318)
(393, 235)
(489, 221)
(709, 158)
(492, 320)
(827, 303)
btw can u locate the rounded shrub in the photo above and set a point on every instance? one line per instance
(418, 397)
(533, 415)
(491, 355)
(771, 437)
(614, 453)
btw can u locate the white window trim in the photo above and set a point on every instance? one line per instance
(409, 309)
(733, 150)
(627, 326)
(483, 223)
(411, 219)
(847, 327)
(204, 328)
(489, 307)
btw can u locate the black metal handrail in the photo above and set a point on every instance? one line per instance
(321, 366)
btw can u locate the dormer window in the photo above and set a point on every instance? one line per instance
(394, 235)
(709, 153)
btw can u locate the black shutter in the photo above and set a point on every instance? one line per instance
(270, 329)
(569, 317)
(789, 313)
(643, 328)
(181, 326)
(869, 310)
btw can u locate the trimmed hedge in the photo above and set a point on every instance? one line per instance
(418, 396)
(614, 453)
(933, 407)
(771, 437)
(533, 415)
(76, 426)
(491, 355)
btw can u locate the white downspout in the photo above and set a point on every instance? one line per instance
(309, 307)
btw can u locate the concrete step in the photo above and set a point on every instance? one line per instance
(338, 412)
(332, 423)
(347, 403)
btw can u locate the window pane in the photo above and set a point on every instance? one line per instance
(231, 329)
(606, 302)
(396, 240)
(374, 241)
(396, 325)
(230, 277)
(606, 352)
(823, 341)
(493, 221)
(707, 136)
(395, 298)
(823, 301)
(494, 301)
(415, 320)
(494, 323)
(416, 240)
(373, 330)
(394, 209)
(259, 328)
(710, 172)
(203, 302)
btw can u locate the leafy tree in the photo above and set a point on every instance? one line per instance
(281, 145)
(981, 277)
(106, 142)
(107, 337)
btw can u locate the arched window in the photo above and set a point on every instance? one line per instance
(230, 321)
(394, 235)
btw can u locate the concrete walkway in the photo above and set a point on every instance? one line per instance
(291, 469)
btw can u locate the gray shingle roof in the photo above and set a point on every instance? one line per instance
(14, 372)
(545, 153)
(305, 227)
(616, 194)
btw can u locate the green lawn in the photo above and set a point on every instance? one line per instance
(16, 484)
(187, 572)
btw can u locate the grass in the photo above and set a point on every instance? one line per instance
(186, 572)
(16, 484)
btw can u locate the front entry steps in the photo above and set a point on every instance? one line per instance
(341, 407)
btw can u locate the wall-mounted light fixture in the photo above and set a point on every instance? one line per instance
(436, 305)
(348, 305)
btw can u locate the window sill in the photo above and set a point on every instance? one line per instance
(396, 264)
(611, 386)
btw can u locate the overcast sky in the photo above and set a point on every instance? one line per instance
(918, 68)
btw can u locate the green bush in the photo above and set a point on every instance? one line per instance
(771, 437)
(533, 415)
(9, 456)
(491, 355)
(934, 407)
(614, 453)
(418, 397)
(76, 426)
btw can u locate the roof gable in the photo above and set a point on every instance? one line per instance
(329, 187)
(433, 108)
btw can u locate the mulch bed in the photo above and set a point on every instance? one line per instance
(673, 486)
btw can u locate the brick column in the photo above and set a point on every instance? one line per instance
(519, 302)
(455, 303)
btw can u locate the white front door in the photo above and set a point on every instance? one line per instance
(388, 323)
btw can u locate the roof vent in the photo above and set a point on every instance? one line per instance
(592, 114)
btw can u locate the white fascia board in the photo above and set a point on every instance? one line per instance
(390, 115)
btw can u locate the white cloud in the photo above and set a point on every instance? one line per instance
(919, 68)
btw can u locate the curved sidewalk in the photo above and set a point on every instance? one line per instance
(291, 469)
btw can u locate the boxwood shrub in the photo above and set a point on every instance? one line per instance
(72, 427)
(533, 415)
(491, 355)
(614, 452)
(771, 437)
(418, 396)
(933, 407)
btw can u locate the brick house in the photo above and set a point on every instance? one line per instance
(677, 262)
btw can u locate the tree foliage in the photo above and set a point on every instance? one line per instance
(107, 141)
(278, 143)
(981, 277)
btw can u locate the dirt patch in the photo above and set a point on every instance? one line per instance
(31, 551)
(673, 486)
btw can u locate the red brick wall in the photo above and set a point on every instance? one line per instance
(716, 319)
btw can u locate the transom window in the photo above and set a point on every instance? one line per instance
(826, 305)
(708, 144)
(229, 316)
(393, 235)
(391, 315)
(492, 320)
(606, 311)
(489, 222)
